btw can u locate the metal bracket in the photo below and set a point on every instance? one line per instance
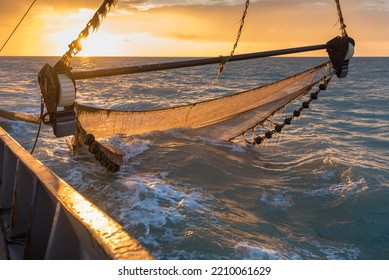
(58, 90)
(340, 51)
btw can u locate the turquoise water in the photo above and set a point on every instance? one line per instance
(320, 190)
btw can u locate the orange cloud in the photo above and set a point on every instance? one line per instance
(163, 27)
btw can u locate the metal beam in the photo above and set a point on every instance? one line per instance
(188, 63)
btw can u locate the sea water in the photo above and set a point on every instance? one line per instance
(319, 190)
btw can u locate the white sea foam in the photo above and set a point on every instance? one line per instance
(189, 255)
(75, 177)
(324, 174)
(343, 190)
(278, 200)
(338, 252)
(61, 151)
(154, 203)
(129, 146)
(159, 209)
(349, 188)
(248, 252)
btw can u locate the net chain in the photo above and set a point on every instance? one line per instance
(297, 113)
(100, 154)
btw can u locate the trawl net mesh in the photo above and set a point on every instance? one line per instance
(223, 118)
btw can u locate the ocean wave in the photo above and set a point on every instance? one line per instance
(245, 251)
(342, 190)
(278, 200)
(196, 198)
(338, 252)
(155, 204)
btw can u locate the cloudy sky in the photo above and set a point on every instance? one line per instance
(191, 27)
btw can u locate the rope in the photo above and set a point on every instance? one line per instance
(93, 25)
(13, 116)
(17, 25)
(242, 21)
(40, 126)
(341, 20)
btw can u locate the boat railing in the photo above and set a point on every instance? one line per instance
(42, 217)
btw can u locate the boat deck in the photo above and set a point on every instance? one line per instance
(46, 218)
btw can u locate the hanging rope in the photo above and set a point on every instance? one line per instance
(341, 20)
(40, 126)
(18, 25)
(242, 21)
(94, 24)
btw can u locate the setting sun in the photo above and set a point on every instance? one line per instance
(97, 44)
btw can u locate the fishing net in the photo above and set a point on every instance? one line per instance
(227, 118)
(223, 118)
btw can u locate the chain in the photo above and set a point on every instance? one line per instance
(278, 127)
(225, 60)
(94, 24)
(341, 20)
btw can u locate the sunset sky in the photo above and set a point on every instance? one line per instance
(191, 27)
